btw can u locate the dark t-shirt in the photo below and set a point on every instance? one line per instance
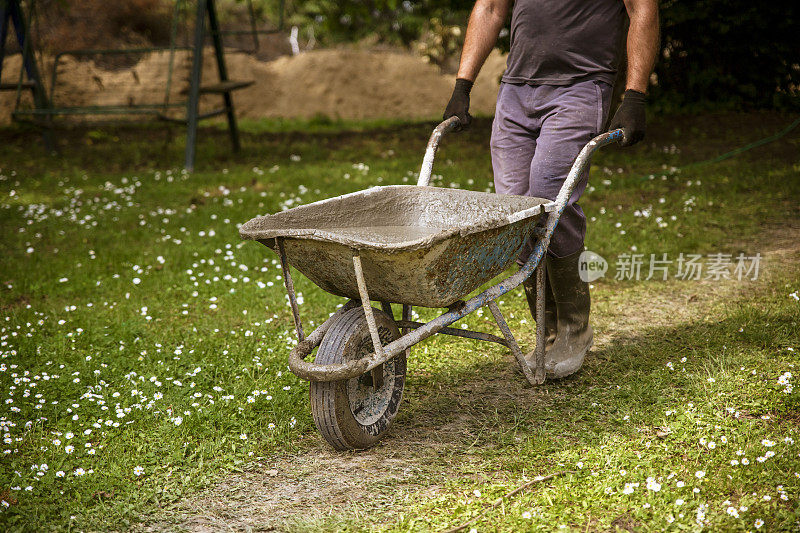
(557, 42)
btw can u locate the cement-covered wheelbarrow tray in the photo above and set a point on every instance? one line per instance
(409, 245)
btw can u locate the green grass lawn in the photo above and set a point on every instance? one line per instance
(143, 345)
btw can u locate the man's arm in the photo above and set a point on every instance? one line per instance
(485, 22)
(642, 50)
(642, 42)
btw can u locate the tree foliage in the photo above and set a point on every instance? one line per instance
(729, 51)
(395, 21)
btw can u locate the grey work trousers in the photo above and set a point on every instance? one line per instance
(537, 133)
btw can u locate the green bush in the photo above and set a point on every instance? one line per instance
(732, 52)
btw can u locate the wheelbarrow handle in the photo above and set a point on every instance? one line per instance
(433, 144)
(579, 167)
(558, 205)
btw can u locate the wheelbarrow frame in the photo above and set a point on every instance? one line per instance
(415, 332)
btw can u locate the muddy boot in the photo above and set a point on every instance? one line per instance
(574, 334)
(549, 311)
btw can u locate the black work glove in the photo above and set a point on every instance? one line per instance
(630, 116)
(458, 106)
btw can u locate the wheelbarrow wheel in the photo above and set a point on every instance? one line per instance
(355, 414)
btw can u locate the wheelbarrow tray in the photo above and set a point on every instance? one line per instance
(424, 246)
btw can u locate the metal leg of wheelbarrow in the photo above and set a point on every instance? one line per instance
(377, 372)
(536, 375)
(538, 353)
(287, 280)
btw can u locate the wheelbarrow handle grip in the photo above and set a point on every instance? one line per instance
(433, 144)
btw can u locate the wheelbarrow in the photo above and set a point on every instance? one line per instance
(409, 246)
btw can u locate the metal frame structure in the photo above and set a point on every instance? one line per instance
(208, 7)
(254, 31)
(415, 332)
(11, 10)
(44, 109)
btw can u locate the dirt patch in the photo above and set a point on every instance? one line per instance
(19, 301)
(357, 84)
(621, 315)
(414, 460)
(625, 522)
(275, 493)
(318, 483)
(339, 83)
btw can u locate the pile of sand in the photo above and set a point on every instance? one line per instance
(339, 83)
(352, 84)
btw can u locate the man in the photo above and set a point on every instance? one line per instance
(554, 97)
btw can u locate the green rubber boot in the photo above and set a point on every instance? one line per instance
(572, 303)
(549, 311)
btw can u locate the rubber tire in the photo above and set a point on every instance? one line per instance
(349, 339)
